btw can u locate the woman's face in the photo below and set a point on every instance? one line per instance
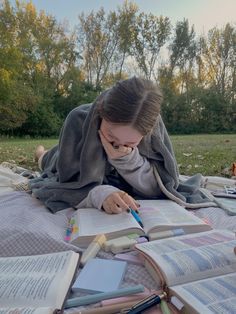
(119, 134)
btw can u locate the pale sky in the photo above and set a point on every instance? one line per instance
(204, 14)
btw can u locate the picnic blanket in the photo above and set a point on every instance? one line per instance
(29, 228)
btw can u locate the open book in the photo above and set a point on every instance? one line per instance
(157, 216)
(199, 269)
(36, 284)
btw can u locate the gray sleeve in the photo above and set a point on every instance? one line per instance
(97, 196)
(138, 172)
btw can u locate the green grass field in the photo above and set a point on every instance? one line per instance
(207, 154)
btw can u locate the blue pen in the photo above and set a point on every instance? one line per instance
(136, 217)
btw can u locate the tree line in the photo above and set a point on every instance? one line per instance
(47, 69)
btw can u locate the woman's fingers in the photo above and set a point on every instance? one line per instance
(114, 204)
(130, 201)
(117, 202)
(106, 145)
(124, 149)
(111, 208)
(113, 151)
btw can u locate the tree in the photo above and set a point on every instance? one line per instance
(36, 54)
(151, 33)
(218, 67)
(126, 31)
(98, 41)
(16, 95)
(77, 92)
(218, 57)
(183, 53)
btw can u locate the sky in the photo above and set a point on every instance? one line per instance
(204, 14)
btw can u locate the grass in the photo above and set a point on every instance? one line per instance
(207, 154)
(21, 151)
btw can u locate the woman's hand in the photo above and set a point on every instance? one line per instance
(118, 202)
(114, 152)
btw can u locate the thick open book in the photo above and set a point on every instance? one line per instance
(36, 284)
(156, 215)
(199, 269)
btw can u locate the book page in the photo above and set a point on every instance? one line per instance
(28, 310)
(192, 257)
(162, 215)
(211, 295)
(156, 215)
(92, 221)
(34, 281)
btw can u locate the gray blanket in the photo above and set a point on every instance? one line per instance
(78, 163)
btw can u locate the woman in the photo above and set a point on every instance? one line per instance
(111, 152)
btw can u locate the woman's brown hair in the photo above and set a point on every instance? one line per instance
(135, 102)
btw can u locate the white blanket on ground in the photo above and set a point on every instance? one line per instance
(8, 179)
(28, 228)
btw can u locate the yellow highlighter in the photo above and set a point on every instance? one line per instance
(93, 248)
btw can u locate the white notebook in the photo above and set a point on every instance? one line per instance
(100, 275)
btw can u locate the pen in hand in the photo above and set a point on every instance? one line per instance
(136, 217)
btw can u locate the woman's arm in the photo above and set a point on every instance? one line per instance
(138, 172)
(133, 167)
(96, 196)
(110, 198)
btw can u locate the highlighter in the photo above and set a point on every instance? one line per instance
(93, 248)
(136, 217)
